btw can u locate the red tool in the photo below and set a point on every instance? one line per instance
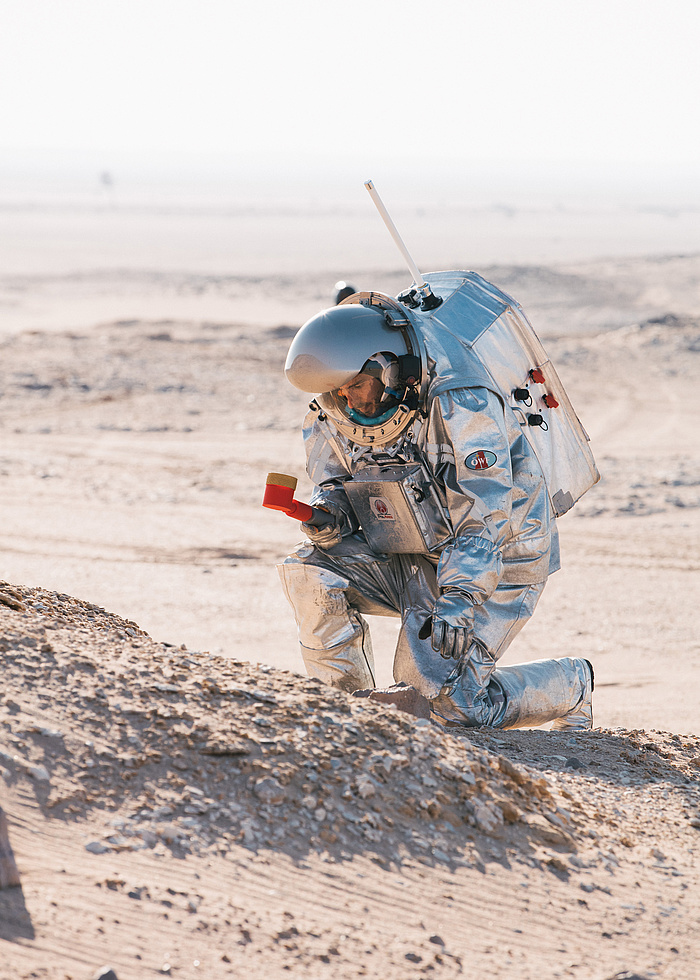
(279, 495)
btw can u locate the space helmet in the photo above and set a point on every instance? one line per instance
(360, 337)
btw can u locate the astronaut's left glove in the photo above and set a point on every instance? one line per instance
(453, 624)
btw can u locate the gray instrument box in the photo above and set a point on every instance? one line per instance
(398, 508)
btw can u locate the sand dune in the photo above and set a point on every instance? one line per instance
(176, 812)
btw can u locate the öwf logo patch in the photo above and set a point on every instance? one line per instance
(482, 459)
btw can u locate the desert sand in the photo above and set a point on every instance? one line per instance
(180, 800)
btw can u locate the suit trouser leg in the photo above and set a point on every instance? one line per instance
(478, 692)
(334, 639)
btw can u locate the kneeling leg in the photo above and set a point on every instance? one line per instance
(334, 638)
(477, 692)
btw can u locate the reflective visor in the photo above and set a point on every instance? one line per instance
(331, 348)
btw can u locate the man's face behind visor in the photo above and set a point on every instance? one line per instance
(363, 394)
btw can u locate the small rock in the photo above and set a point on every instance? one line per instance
(511, 814)
(626, 975)
(574, 763)
(558, 819)
(8, 600)
(96, 847)
(488, 818)
(546, 830)
(105, 973)
(508, 769)
(40, 773)
(170, 833)
(438, 940)
(365, 786)
(48, 732)
(269, 790)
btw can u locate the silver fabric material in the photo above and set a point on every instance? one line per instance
(323, 537)
(452, 624)
(500, 517)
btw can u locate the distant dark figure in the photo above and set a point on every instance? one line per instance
(343, 290)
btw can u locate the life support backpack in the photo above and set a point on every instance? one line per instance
(479, 317)
(478, 335)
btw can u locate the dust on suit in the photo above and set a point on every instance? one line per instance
(503, 547)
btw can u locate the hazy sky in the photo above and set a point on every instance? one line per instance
(268, 84)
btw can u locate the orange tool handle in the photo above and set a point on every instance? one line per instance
(279, 495)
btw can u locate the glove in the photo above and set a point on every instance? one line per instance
(323, 537)
(453, 624)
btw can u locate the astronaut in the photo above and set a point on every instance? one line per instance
(439, 514)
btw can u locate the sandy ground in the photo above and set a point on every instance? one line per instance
(182, 802)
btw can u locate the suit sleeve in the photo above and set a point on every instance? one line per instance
(469, 452)
(326, 470)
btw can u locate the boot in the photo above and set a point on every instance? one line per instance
(548, 690)
(580, 718)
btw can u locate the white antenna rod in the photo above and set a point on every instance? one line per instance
(412, 267)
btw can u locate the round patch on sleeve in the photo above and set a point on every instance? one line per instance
(482, 459)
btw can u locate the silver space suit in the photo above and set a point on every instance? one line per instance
(439, 507)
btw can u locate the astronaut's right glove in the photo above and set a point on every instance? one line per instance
(326, 536)
(452, 624)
